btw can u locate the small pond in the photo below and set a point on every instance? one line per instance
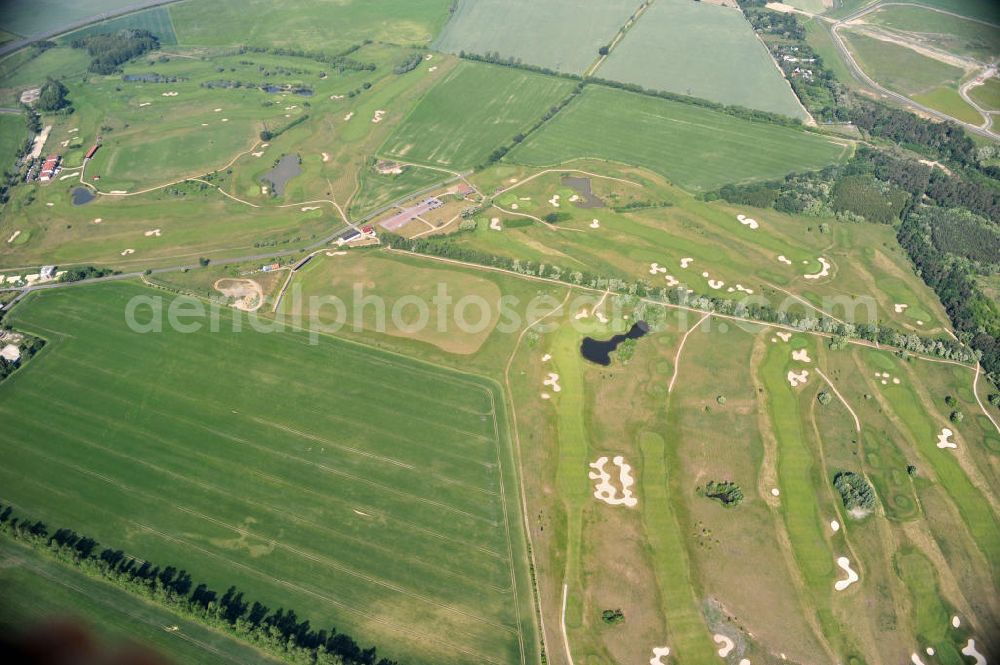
(304, 92)
(287, 168)
(582, 187)
(599, 351)
(82, 195)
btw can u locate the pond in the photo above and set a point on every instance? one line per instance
(82, 195)
(582, 187)
(287, 168)
(599, 351)
(304, 92)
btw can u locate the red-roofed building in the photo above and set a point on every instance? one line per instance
(93, 149)
(50, 168)
(368, 230)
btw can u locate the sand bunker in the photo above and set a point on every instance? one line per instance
(154, 232)
(144, 104)
(746, 221)
(553, 382)
(170, 94)
(49, 204)
(944, 439)
(98, 220)
(554, 201)
(955, 621)
(513, 206)
(797, 378)
(546, 396)
(785, 336)
(930, 651)
(671, 280)
(547, 357)
(781, 258)
(727, 644)
(595, 224)
(852, 576)
(655, 268)
(582, 314)
(308, 208)
(13, 237)
(716, 284)
(379, 114)
(685, 262)
(915, 659)
(920, 323)
(337, 253)
(822, 273)
(970, 650)
(743, 289)
(349, 115)
(899, 307)
(495, 224)
(432, 69)
(248, 294)
(257, 154)
(834, 526)
(574, 198)
(225, 120)
(600, 317)
(264, 145)
(326, 156)
(744, 661)
(216, 110)
(204, 124)
(126, 252)
(775, 491)
(512, 180)
(801, 355)
(658, 654)
(607, 492)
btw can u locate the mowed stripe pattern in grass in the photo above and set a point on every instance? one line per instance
(362, 490)
(697, 148)
(476, 109)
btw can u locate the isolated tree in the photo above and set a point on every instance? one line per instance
(824, 397)
(52, 96)
(604, 50)
(956, 417)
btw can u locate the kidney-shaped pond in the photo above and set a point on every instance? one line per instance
(599, 351)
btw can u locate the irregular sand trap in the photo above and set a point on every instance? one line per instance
(899, 307)
(582, 314)
(835, 525)
(801, 355)
(944, 439)
(126, 252)
(658, 654)
(852, 576)
(495, 224)
(915, 659)
(600, 317)
(955, 621)
(340, 253)
(574, 198)
(781, 257)
(671, 281)
(740, 287)
(607, 492)
(553, 382)
(308, 208)
(433, 69)
(513, 206)
(774, 340)
(98, 220)
(547, 357)
(336, 96)
(822, 273)
(554, 201)
(896, 381)
(797, 378)
(716, 284)
(154, 232)
(785, 336)
(428, 56)
(546, 396)
(326, 156)
(13, 237)
(727, 644)
(170, 94)
(970, 650)
(595, 224)
(523, 198)
(349, 115)
(263, 189)
(144, 104)
(257, 154)
(76, 129)
(775, 491)
(655, 268)
(264, 145)
(292, 107)
(746, 221)
(685, 262)
(379, 114)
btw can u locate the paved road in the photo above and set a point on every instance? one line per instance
(10, 47)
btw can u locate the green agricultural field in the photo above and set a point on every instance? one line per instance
(947, 100)
(35, 589)
(987, 95)
(563, 35)
(313, 25)
(31, 17)
(471, 112)
(701, 50)
(697, 148)
(899, 68)
(156, 20)
(13, 134)
(370, 492)
(944, 31)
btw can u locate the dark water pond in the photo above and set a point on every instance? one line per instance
(81, 195)
(287, 168)
(304, 92)
(599, 351)
(582, 187)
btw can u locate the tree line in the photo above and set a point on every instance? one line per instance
(279, 632)
(109, 50)
(339, 61)
(29, 346)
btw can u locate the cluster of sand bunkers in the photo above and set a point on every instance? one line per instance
(885, 377)
(605, 491)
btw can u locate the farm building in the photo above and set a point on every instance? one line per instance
(464, 189)
(368, 230)
(11, 353)
(93, 149)
(50, 168)
(387, 167)
(269, 267)
(348, 236)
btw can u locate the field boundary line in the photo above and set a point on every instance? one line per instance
(857, 423)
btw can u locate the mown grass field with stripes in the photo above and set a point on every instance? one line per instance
(361, 489)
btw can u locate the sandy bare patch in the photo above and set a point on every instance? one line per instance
(930, 651)
(801, 355)
(225, 120)
(547, 357)
(258, 153)
(349, 116)
(785, 336)
(545, 396)
(659, 653)
(216, 110)
(204, 124)
(513, 206)
(607, 492)
(944, 439)
(248, 294)
(97, 220)
(326, 156)
(574, 198)
(553, 382)
(671, 280)
(775, 491)
(852, 576)
(600, 317)
(170, 94)
(899, 307)
(915, 659)
(379, 114)
(797, 378)
(308, 208)
(685, 262)
(554, 201)
(746, 221)
(970, 650)
(13, 237)
(595, 224)
(68, 176)
(432, 69)
(582, 314)
(50, 205)
(726, 644)
(834, 526)
(144, 104)
(655, 268)
(716, 283)
(822, 273)
(495, 224)
(153, 233)
(126, 252)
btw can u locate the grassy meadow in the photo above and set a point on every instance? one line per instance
(404, 534)
(30, 17)
(701, 50)
(696, 148)
(944, 31)
(470, 112)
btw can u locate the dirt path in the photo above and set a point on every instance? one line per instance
(561, 170)
(857, 423)
(680, 349)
